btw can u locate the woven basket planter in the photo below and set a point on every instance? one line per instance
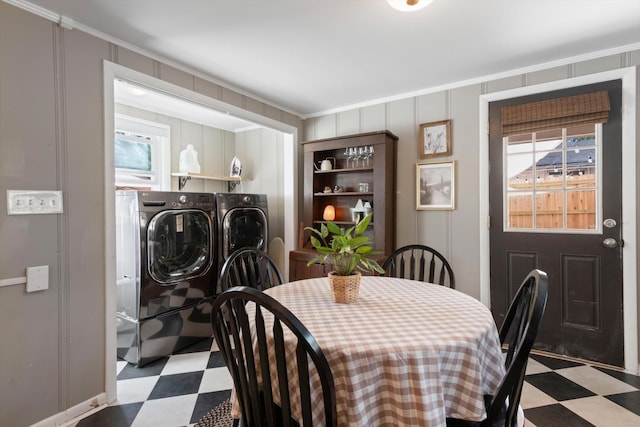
(345, 289)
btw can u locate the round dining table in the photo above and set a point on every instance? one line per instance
(405, 353)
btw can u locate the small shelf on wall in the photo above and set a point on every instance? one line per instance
(232, 181)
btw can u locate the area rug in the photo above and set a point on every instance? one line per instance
(220, 416)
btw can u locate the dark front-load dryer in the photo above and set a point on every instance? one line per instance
(242, 222)
(166, 271)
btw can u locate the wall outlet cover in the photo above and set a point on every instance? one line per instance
(37, 278)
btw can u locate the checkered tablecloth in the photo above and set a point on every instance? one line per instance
(406, 353)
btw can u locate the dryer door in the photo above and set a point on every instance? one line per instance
(179, 245)
(244, 227)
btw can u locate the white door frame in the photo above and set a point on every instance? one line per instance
(629, 273)
(112, 71)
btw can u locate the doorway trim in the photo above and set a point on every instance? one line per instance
(630, 273)
(112, 71)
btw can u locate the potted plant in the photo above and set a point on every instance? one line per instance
(347, 251)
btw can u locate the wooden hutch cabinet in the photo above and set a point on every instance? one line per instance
(363, 167)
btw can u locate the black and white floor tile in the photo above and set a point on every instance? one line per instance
(565, 393)
(178, 391)
(173, 391)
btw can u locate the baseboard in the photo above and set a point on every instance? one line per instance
(74, 414)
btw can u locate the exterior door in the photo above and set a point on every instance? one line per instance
(556, 204)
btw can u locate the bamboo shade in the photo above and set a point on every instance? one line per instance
(556, 113)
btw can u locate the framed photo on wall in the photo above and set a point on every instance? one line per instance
(435, 139)
(435, 186)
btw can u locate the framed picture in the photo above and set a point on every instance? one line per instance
(435, 186)
(435, 139)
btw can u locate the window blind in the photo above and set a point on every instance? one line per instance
(587, 108)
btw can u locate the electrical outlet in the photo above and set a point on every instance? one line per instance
(37, 278)
(21, 202)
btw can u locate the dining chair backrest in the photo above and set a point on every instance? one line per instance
(419, 262)
(250, 328)
(250, 267)
(517, 334)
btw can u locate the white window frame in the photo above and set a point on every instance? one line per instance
(159, 136)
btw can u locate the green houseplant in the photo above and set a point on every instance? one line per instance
(347, 250)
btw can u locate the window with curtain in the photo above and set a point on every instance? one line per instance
(552, 163)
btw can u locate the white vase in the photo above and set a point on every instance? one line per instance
(189, 160)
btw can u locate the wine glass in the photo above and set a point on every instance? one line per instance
(367, 157)
(352, 155)
(359, 155)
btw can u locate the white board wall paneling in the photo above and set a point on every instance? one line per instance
(28, 149)
(177, 77)
(547, 75)
(463, 233)
(348, 122)
(432, 226)
(506, 83)
(373, 117)
(278, 204)
(324, 127)
(212, 158)
(134, 60)
(401, 121)
(597, 65)
(209, 89)
(84, 212)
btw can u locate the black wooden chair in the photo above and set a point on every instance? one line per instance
(240, 340)
(419, 262)
(517, 334)
(250, 267)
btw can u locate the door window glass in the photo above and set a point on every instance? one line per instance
(552, 180)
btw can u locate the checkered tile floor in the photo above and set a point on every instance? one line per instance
(179, 390)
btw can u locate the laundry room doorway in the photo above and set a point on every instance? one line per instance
(280, 142)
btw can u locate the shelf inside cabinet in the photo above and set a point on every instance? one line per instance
(344, 193)
(321, 221)
(346, 170)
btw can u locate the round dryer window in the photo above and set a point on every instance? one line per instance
(244, 227)
(179, 245)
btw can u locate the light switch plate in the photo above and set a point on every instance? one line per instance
(22, 202)
(37, 278)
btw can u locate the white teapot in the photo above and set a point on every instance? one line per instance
(326, 165)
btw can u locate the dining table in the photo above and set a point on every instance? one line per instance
(404, 353)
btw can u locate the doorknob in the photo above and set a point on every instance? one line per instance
(609, 243)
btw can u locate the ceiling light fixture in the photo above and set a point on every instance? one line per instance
(408, 5)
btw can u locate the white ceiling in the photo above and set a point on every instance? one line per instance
(315, 56)
(133, 95)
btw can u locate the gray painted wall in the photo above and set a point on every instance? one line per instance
(51, 138)
(455, 233)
